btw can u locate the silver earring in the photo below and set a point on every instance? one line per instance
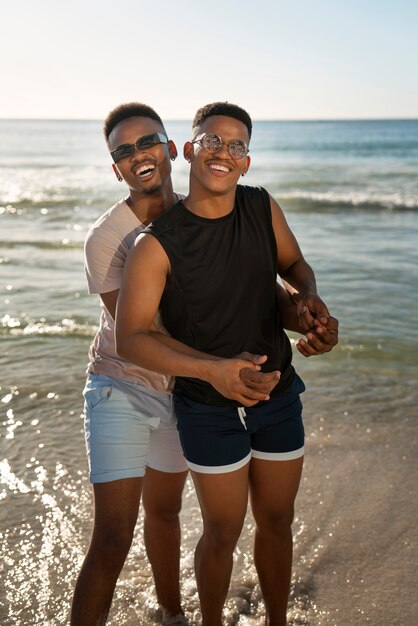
(119, 177)
(243, 173)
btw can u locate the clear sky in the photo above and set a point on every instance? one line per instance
(293, 59)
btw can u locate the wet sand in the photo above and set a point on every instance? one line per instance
(355, 530)
(356, 557)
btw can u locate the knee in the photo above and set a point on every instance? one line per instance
(276, 522)
(162, 512)
(162, 496)
(111, 542)
(222, 535)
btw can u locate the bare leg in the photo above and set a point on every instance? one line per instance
(115, 513)
(161, 498)
(223, 501)
(273, 489)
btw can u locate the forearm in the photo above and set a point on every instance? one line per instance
(163, 354)
(144, 349)
(299, 278)
(182, 347)
(288, 310)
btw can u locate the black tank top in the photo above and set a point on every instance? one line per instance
(220, 295)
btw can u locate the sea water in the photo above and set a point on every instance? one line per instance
(349, 191)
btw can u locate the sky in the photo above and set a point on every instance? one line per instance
(294, 59)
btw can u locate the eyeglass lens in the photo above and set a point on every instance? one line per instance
(213, 143)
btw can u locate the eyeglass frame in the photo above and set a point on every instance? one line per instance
(137, 145)
(223, 143)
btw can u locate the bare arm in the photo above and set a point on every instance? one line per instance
(320, 338)
(263, 382)
(147, 265)
(297, 274)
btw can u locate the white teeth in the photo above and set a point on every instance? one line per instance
(220, 168)
(145, 169)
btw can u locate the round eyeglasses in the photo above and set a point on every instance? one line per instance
(211, 142)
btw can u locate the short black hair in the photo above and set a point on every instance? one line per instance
(223, 108)
(125, 111)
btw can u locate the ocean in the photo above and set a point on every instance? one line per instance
(349, 190)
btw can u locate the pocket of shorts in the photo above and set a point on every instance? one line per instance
(93, 396)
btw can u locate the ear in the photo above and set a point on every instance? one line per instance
(188, 151)
(247, 165)
(172, 150)
(117, 174)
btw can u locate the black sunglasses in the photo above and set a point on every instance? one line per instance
(143, 143)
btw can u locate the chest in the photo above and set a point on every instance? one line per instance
(224, 259)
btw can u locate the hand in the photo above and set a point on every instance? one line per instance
(310, 307)
(320, 339)
(225, 376)
(263, 382)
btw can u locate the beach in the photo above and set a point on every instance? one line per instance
(350, 193)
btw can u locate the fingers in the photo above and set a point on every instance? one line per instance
(249, 395)
(327, 334)
(331, 324)
(258, 359)
(247, 402)
(306, 349)
(318, 342)
(320, 308)
(252, 377)
(306, 320)
(251, 390)
(316, 307)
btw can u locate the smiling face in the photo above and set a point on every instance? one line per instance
(217, 172)
(147, 170)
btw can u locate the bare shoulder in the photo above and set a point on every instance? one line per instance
(148, 250)
(277, 215)
(275, 207)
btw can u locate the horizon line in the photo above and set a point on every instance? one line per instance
(255, 119)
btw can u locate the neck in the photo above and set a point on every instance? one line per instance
(147, 207)
(209, 203)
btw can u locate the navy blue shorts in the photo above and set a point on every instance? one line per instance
(216, 439)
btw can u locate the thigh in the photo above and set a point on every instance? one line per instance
(223, 497)
(273, 488)
(117, 435)
(110, 518)
(162, 492)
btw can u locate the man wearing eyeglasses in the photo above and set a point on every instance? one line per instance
(129, 411)
(210, 264)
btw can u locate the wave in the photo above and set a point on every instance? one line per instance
(64, 244)
(15, 327)
(353, 199)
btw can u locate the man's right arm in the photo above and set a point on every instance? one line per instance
(143, 283)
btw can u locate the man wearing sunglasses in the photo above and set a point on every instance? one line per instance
(210, 264)
(129, 416)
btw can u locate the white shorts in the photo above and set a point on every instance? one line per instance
(128, 427)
